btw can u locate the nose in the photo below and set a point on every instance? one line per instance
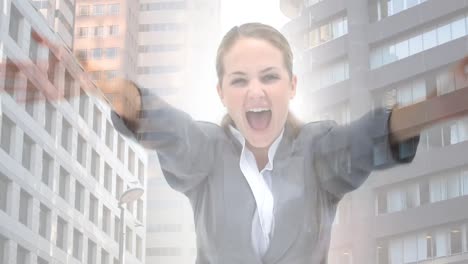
(256, 90)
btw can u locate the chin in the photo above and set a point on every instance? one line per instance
(260, 140)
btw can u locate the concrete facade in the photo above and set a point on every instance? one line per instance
(62, 164)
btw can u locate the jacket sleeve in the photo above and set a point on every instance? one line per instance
(346, 155)
(185, 148)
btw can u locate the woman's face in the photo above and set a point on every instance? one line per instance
(256, 89)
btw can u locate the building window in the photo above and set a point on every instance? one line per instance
(82, 54)
(118, 187)
(25, 207)
(120, 148)
(416, 43)
(66, 135)
(330, 74)
(93, 209)
(99, 31)
(116, 229)
(114, 30)
(140, 210)
(79, 197)
(104, 257)
(28, 153)
(83, 107)
(53, 63)
(81, 151)
(62, 231)
(50, 118)
(95, 75)
(77, 244)
(64, 183)
(111, 53)
(11, 72)
(44, 221)
(114, 9)
(161, 27)
(112, 74)
(141, 173)
(106, 220)
(95, 164)
(97, 121)
(159, 48)
(131, 161)
(33, 47)
(129, 239)
(108, 177)
(68, 88)
(455, 241)
(7, 136)
(91, 252)
(385, 8)
(47, 169)
(96, 53)
(98, 10)
(16, 20)
(328, 31)
(82, 32)
(32, 95)
(22, 255)
(4, 186)
(83, 10)
(139, 248)
(109, 136)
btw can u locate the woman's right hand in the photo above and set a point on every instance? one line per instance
(125, 98)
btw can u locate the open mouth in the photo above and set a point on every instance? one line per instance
(259, 118)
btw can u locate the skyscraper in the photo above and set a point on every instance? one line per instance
(106, 39)
(350, 56)
(177, 41)
(63, 166)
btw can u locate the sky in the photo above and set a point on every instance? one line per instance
(235, 12)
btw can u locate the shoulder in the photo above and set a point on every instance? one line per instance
(210, 129)
(317, 129)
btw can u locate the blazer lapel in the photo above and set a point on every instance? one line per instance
(288, 190)
(239, 208)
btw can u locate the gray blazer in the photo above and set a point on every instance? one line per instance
(312, 171)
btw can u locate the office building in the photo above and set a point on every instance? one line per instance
(63, 167)
(352, 55)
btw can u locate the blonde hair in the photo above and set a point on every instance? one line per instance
(257, 31)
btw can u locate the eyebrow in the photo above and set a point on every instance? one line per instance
(262, 71)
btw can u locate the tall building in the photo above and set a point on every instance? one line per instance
(106, 35)
(59, 15)
(63, 167)
(177, 47)
(350, 56)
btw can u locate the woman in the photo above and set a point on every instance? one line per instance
(263, 188)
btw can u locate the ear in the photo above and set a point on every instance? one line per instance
(293, 86)
(219, 89)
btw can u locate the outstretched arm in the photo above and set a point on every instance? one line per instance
(408, 122)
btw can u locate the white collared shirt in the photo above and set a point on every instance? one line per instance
(260, 184)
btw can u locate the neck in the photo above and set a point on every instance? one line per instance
(260, 154)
